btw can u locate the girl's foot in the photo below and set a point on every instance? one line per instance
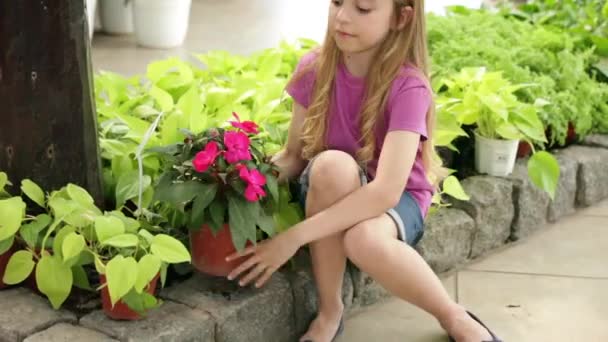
(463, 328)
(324, 327)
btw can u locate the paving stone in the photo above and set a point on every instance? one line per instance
(242, 314)
(491, 207)
(447, 239)
(530, 203)
(23, 313)
(63, 332)
(592, 178)
(171, 322)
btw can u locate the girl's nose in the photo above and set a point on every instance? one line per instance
(342, 15)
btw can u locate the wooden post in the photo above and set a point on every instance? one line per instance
(48, 129)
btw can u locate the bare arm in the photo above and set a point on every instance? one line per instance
(372, 200)
(289, 160)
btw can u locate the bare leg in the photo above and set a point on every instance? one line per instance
(373, 246)
(333, 176)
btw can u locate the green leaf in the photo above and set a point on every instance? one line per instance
(169, 249)
(180, 193)
(242, 222)
(19, 267)
(544, 172)
(80, 278)
(6, 244)
(80, 195)
(3, 181)
(121, 274)
(33, 191)
(147, 268)
(267, 224)
(146, 235)
(452, 187)
(508, 131)
(59, 238)
(140, 302)
(128, 187)
(164, 99)
(190, 103)
(54, 279)
(107, 227)
(12, 211)
(273, 187)
(31, 232)
(218, 212)
(122, 241)
(201, 202)
(73, 245)
(99, 265)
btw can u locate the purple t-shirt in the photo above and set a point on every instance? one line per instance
(407, 105)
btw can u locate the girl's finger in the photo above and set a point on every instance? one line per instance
(243, 267)
(263, 279)
(259, 268)
(245, 252)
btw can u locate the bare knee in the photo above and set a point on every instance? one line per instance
(359, 240)
(334, 171)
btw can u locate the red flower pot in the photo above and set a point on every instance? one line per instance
(4, 258)
(524, 150)
(121, 311)
(209, 252)
(571, 135)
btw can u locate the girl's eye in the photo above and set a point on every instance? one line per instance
(337, 2)
(363, 10)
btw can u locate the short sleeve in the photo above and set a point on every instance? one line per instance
(300, 87)
(408, 108)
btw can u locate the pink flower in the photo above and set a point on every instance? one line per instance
(206, 157)
(254, 193)
(237, 147)
(255, 182)
(246, 126)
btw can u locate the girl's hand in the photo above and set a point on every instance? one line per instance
(265, 258)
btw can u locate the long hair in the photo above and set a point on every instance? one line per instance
(400, 47)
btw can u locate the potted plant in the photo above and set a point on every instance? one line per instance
(130, 261)
(223, 188)
(12, 213)
(161, 23)
(116, 16)
(488, 101)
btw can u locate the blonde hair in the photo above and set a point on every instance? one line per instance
(407, 45)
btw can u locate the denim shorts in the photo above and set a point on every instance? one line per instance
(406, 214)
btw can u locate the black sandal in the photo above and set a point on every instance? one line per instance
(338, 333)
(494, 337)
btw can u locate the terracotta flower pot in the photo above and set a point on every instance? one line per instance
(524, 150)
(209, 252)
(4, 258)
(121, 311)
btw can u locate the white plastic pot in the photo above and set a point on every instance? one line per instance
(116, 17)
(495, 157)
(91, 7)
(161, 23)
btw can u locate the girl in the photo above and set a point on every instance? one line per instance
(362, 135)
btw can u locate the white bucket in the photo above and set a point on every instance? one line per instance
(116, 18)
(91, 6)
(161, 23)
(495, 157)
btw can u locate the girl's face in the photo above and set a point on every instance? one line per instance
(360, 25)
